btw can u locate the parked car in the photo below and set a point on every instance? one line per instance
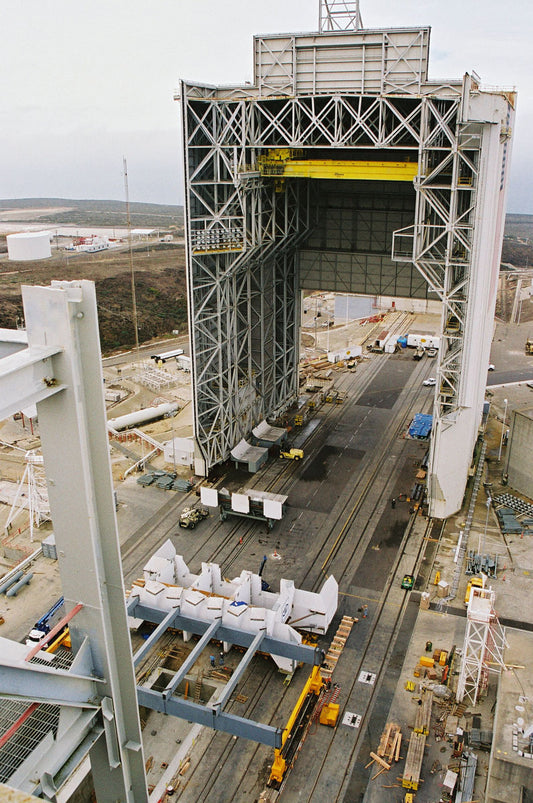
(432, 352)
(430, 381)
(491, 367)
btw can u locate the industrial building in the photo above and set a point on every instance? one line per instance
(343, 167)
(519, 463)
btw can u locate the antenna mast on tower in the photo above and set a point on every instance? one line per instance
(339, 15)
(128, 220)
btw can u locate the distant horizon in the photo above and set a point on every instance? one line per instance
(145, 203)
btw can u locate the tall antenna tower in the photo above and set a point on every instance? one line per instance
(339, 15)
(483, 646)
(31, 494)
(128, 220)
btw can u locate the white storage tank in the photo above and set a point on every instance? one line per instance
(29, 245)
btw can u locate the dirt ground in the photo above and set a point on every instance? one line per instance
(160, 289)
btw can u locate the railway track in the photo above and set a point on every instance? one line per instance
(233, 770)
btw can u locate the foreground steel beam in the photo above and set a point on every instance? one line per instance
(27, 377)
(229, 723)
(62, 326)
(43, 685)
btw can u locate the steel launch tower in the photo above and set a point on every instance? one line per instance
(342, 167)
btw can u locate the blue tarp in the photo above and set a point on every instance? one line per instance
(420, 426)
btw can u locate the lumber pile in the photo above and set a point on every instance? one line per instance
(388, 750)
(413, 762)
(337, 646)
(417, 742)
(423, 712)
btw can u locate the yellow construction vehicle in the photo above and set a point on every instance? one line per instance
(475, 582)
(292, 454)
(529, 346)
(292, 733)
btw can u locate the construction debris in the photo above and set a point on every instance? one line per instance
(388, 750)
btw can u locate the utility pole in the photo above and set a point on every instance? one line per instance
(128, 221)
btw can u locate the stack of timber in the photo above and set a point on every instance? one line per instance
(337, 646)
(389, 748)
(417, 742)
(423, 712)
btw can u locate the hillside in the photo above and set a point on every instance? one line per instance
(66, 211)
(159, 281)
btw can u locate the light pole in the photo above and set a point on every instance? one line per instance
(503, 429)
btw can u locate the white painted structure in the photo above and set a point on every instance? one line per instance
(179, 452)
(142, 416)
(27, 246)
(483, 646)
(61, 372)
(239, 603)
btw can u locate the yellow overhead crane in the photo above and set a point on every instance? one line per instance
(282, 163)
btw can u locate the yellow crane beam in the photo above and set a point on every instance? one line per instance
(281, 164)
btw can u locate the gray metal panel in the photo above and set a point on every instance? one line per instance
(365, 61)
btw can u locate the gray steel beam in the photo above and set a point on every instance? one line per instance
(167, 622)
(231, 635)
(40, 684)
(235, 678)
(191, 659)
(27, 377)
(228, 723)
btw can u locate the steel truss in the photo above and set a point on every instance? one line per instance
(243, 237)
(440, 242)
(340, 94)
(483, 646)
(339, 15)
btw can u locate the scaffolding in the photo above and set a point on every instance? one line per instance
(31, 495)
(483, 646)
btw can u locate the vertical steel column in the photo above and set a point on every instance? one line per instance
(76, 453)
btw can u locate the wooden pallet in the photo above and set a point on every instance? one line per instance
(337, 646)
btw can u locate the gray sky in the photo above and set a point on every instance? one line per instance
(83, 84)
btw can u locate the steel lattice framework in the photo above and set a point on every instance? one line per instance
(344, 93)
(484, 646)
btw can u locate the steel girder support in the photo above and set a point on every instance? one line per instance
(231, 635)
(40, 684)
(440, 242)
(76, 456)
(207, 716)
(189, 662)
(27, 377)
(238, 673)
